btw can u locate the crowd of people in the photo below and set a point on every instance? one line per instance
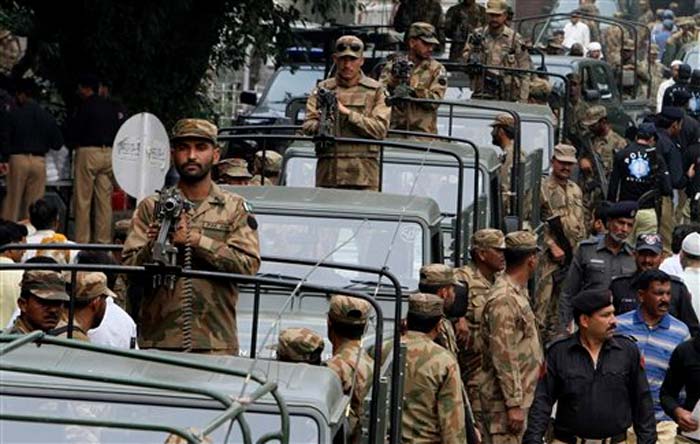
(609, 335)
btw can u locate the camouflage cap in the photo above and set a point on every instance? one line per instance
(349, 45)
(424, 31)
(298, 344)
(503, 120)
(45, 284)
(628, 45)
(348, 310)
(234, 168)
(588, 8)
(593, 115)
(489, 238)
(90, 285)
(273, 161)
(197, 128)
(437, 274)
(496, 7)
(685, 21)
(521, 240)
(540, 88)
(426, 305)
(565, 153)
(654, 48)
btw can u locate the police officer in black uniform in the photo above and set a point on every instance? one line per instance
(600, 258)
(597, 378)
(648, 256)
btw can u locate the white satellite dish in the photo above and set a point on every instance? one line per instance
(141, 155)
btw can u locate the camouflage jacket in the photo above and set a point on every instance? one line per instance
(433, 406)
(446, 336)
(479, 293)
(411, 11)
(674, 45)
(369, 117)
(512, 353)
(567, 202)
(19, 327)
(343, 364)
(428, 81)
(461, 20)
(607, 146)
(504, 49)
(61, 330)
(229, 243)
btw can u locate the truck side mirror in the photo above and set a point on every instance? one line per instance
(248, 98)
(591, 95)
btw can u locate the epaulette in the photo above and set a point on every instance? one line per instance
(369, 82)
(556, 341)
(632, 339)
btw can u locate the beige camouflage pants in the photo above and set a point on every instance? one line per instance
(495, 423)
(546, 302)
(355, 173)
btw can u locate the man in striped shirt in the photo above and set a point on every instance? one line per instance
(657, 333)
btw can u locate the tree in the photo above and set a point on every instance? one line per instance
(154, 53)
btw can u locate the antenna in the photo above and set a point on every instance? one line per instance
(141, 155)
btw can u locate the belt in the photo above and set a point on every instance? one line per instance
(571, 439)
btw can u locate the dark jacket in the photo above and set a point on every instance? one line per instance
(29, 129)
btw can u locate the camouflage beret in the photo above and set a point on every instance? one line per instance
(565, 153)
(349, 45)
(197, 128)
(45, 284)
(424, 31)
(489, 238)
(90, 285)
(496, 7)
(426, 305)
(521, 240)
(273, 161)
(437, 274)
(540, 88)
(234, 168)
(685, 21)
(348, 310)
(628, 45)
(593, 115)
(504, 120)
(298, 344)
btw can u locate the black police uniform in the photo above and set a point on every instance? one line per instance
(636, 170)
(683, 373)
(624, 291)
(593, 267)
(595, 402)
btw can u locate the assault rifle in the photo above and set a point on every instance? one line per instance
(328, 107)
(169, 207)
(585, 147)
(401, 70)
(556, 228)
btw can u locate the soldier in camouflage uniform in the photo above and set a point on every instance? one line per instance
(463, 19)
(503, 136)
(91, 295)
(512, 353)
(561, 197)
(362, 113)
(299, 345)
(233, 172)
(411, 11)
(41, 300)
(439, 279)
(613, 38)
(347, 321)
(577, 108)
(428, 81)
(638, 70)
(501, 46)
(433, 407)
(675, 43)
(487, 261)
(272, 160)
(604, 141)
(221, 234)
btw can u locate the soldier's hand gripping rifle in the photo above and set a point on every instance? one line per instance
(556, 229)
(584, 144)
(485, 83)
(401, 70)
(327, 104)
(168, 209)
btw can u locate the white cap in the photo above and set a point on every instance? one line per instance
(691, 244)
(676, 63)
(594, 46)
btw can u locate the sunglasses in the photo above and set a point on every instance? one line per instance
(354, 47)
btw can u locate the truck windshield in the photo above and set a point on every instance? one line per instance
(438, 182)
(289, 83)
(303, 429)
(363, 243)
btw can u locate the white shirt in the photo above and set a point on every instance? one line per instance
(57, 165)
(578, 33)
(691, 278)
(117, 328)
(40, 235)
(660, 93)
(672, 265)
(9, 291)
